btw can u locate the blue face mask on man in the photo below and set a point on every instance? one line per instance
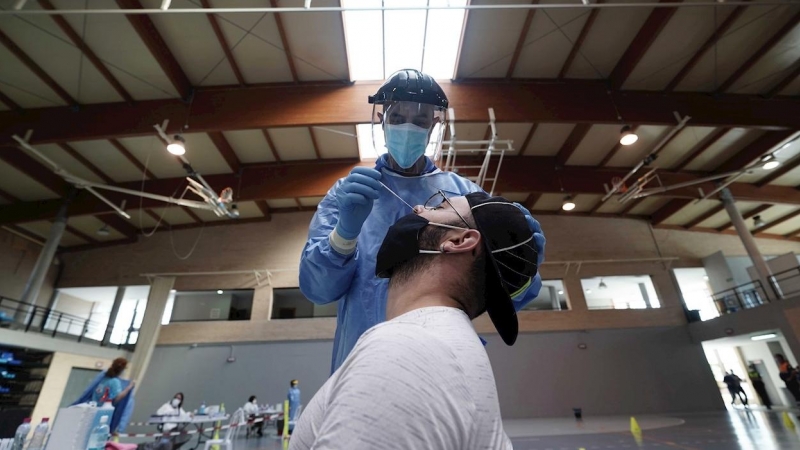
(406, 143)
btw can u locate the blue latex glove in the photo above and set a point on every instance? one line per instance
(355, 197)
(538, 235)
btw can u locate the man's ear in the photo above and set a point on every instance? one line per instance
(461, 241)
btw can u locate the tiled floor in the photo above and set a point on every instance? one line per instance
(730, 430)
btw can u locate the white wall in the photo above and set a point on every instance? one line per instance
(760, 350)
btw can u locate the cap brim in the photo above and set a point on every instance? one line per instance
(498, 303)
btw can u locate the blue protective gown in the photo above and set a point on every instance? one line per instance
(327, 276)
(122, 410)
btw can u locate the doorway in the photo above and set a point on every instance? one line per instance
(78, 381)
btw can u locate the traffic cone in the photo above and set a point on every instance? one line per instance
(788, 421)
(636, 431)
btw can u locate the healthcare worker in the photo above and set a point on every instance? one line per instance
(294, 402)
(338, 261)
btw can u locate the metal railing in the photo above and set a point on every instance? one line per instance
(745, 296)
(27, 317)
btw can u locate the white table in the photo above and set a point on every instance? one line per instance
(185, 422)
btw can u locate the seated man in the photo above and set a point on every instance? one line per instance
(423, 379)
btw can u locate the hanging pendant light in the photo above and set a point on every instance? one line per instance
(178, 145)
(627, 136)
(568, 204)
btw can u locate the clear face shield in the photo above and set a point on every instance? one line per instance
(408, 130)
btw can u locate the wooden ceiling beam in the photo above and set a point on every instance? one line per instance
(8, 197)
(727, 232)
(212, 18)
(314, 179)
(88, 52)
(80, 234)
(120, 224)
(223, 109)
(576, 47)
(521, 40)
(528, 138)
(192, 214)
(86, 163)
(769, 45)
(31, 167)
(531, 200)
(314, 142)
(752, 152)
(11, 104)
(670, 209)
(715, 36)
(157, 217)
(631, 204)
(149, 34)
(754, 212)
(285, 42)
(652, 27)
(701, 147)
(705, 216)
(225, 149)
(265, 209)
(776, 222)
(784, 168)
(573, 140)
(37, 70)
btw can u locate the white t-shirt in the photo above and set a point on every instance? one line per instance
(250, 408)
(419, 381)
(168, 410)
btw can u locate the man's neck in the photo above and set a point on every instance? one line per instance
(409, 296)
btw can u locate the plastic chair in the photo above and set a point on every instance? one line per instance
(293, 420)
(237, 421)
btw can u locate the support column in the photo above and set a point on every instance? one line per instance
(645, 296)
(763, 270)
(45, 260)
(112, 317)
(574, 288)
(151, 326)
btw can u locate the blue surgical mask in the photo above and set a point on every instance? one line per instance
(406, 143)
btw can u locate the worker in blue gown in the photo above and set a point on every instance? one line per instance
(338, 261)
(294, 403)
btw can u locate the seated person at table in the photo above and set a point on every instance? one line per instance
(423, 380)
(251, 411)
(174, 407)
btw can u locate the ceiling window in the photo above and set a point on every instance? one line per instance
(382, 42)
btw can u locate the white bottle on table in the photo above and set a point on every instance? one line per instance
(100, 435)
(22, 434)
(39, 434)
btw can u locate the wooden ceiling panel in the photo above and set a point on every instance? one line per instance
(611, 34)
(690, 212)
(152, 153)
(89, 225)
(792, 88)
(334, 142)
(320, 55)
(250, 146)
(546, 48)
(310, 201)
(683, 34)
(108, 159)
(675, 150)
(516, 132)
(612, 206)
(292, 143)
(68, 163)
(20, 185)
(792, 178)
(584, 202)
(61, 60)
(648, 206)
(249, 210)
(784, 228)
(173, 215)
(203, 154)
(23, 86)
(490, 58)
(208, 216)
(629, 156)
(772, 66)
(599, 140)
(192, 41)
(726, 146)
(276, 203)
(549, 202)
(518, 197)
(717, 220)
(746, 35)
(42, 228)
(775, 212)
(260, 54)
(548, 139)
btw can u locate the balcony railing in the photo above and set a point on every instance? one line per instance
(753, 294)
(26, 317)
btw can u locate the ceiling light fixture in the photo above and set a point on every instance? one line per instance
(560, 292)
(104, 231)
(602, 284)
(627, 136)
(568, 204)
(178, 145)
(219, 292)
(763, 337)
(757, 222)
(769, 165)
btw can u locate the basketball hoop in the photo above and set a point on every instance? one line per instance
(620, 186)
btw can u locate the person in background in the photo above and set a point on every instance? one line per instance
(251, 412)
(173, 407)
(758, 385)
(294, 402)
(735, 388)
(110, 387)
(338, 261)
(789, 376)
